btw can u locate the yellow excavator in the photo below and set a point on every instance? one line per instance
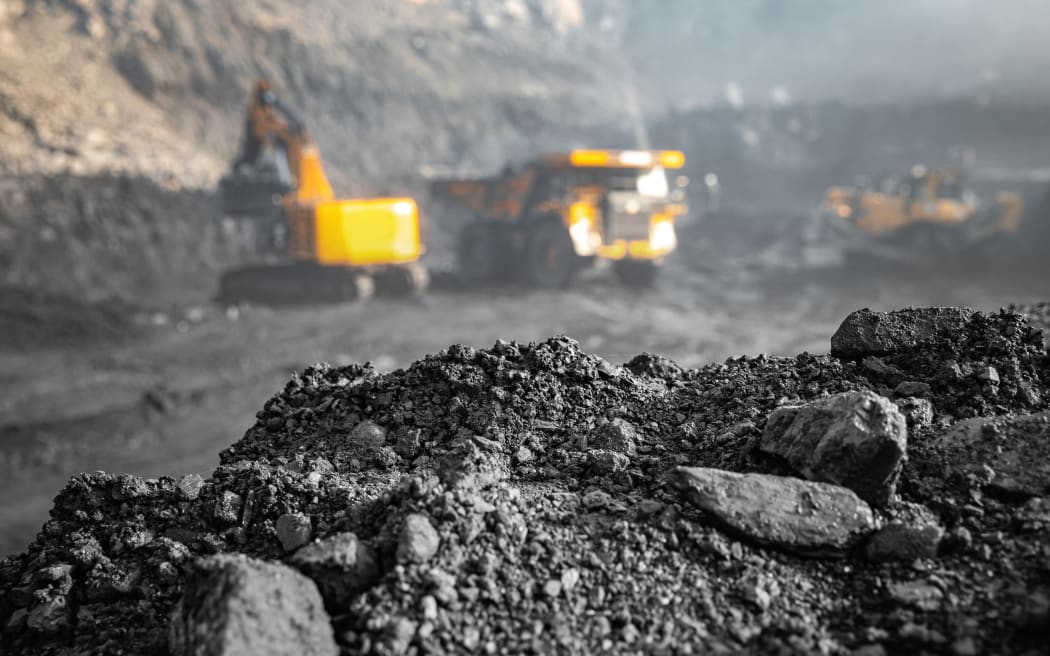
(927, 213)
(313, 246)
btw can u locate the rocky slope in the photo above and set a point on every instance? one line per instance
(889, 497)
(159, 88)
(140, 102)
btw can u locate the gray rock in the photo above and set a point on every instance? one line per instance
(398, 635)
(1015, 449)
(913, 533)
(17, 622)
(293, 531)
(988, 375)
(238, 605)
(524, 455)
(419, 540)
(879, 368)
(595, 499)
(912, 388)
(918, 412)
(190, 486)
(920, 594)
(602, 461)
(779, 511)
(854, 439)
(57, 578)
(228, 507)
(368, 434)
(865, 333)
(615, 435)
(341, 565)
(466, 466)
(50, 615)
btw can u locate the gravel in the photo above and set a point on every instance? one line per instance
(509, 509)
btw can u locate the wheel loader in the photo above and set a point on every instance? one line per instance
(544, 222)
(309, 245)
(925, 214)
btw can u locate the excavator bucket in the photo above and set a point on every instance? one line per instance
(248, 197)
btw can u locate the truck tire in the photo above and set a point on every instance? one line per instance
(636, 273)
(477, 252)
(550, 259)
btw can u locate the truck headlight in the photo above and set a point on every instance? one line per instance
(404, 208)
(662, 237)
(581, 232)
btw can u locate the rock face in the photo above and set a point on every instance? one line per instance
(865, 333)
(1013, 452)
(856, 439)
(779, 511)
(234, 605)
(341, 566)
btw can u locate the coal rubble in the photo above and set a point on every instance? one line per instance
(536, 498)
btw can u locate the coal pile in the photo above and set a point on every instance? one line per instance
(1038, 315)
(891, 497)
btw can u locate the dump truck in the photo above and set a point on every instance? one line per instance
(928, 212)
(544, 222)
(310, 245)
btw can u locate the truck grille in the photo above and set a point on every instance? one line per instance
(629, 227)
(628, 217)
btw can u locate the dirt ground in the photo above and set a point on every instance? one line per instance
(168, 399)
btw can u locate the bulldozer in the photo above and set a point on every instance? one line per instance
(544, 222)
(309, 245)
(927, 213)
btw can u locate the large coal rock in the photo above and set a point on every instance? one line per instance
(855, 439)
(865, 332)
(972, 363)
(341, 565)
(779, 511)
(234, 605)
(1011, 454)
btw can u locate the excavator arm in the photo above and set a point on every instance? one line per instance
(271, 124)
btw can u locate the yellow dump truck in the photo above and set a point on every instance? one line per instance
(926, 212)
(547, 220)
(313, 246)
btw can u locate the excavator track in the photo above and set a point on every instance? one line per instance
(304, 283)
